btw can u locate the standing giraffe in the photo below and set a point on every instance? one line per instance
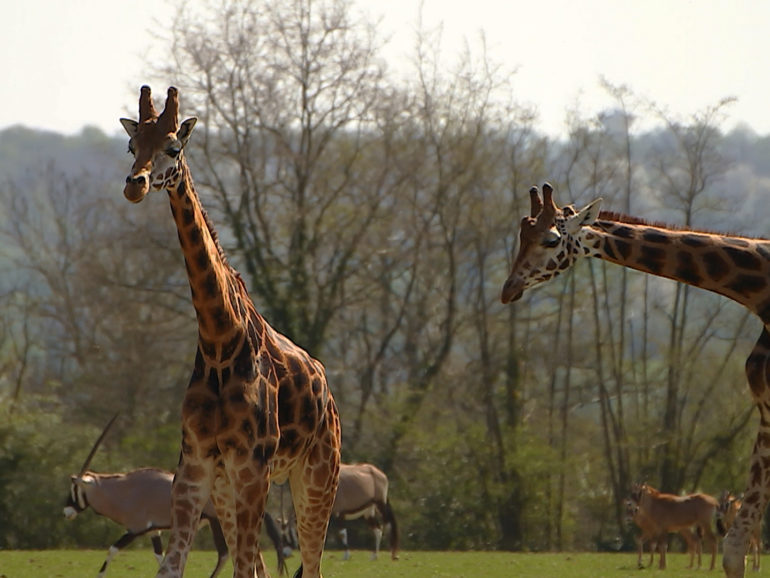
(257, 407)
(552, 239)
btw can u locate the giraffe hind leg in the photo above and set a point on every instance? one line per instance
(224, 503)
(246, 497)
(223, 497)
(313, 487)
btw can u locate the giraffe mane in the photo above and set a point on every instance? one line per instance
(222, 255)
(212, 231)
(631, 220)
(214, 235)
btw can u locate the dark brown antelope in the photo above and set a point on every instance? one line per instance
(140, 501)
(728, 508)
(363, 493)
(671, 513)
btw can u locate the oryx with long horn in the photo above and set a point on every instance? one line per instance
(363, 493)
(140, 501)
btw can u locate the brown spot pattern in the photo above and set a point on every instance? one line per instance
(256, 404)
(736, 266)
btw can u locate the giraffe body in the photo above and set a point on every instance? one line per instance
(552, 239)
(258, 408)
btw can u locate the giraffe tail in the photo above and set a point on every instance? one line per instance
(220, 543)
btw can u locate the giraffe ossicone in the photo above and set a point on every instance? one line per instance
(548, 242)
(258, 407)
(553, 239)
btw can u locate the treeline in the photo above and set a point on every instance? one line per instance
(373, 220)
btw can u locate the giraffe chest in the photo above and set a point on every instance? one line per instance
(262, 409)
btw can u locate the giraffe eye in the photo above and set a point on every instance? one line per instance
(550, 243)
(131, 149)
(551, 239)
(173, 151)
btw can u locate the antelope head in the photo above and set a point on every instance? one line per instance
(77, 500)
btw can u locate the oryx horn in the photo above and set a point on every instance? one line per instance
(96, 445)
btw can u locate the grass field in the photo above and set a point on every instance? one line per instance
(141, 563)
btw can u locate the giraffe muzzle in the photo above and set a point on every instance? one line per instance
(512, 290)
(136, 187)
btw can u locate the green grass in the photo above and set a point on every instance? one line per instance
(141, 563)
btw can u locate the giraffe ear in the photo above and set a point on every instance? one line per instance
(586, 216)
(130, 126)
(185, 130)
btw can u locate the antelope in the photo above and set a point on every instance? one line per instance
(649, 534)
(363, 493)
(140, 501)
(726, 511)
(657, 536)
(673, 513)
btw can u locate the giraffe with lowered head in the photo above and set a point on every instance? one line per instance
(258, 408)
(553, 238)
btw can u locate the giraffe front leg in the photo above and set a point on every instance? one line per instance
(749, 517)
(189, 493)
(735, 547)
(736, 542)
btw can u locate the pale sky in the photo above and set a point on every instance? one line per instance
(68, 64)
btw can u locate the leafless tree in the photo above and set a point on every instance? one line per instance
(291, 151)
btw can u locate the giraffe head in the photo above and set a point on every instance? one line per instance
(549, 242)
(156, 142)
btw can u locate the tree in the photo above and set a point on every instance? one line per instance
(83, 297)
(290, 148)
(686, 168)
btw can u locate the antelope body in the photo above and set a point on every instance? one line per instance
(728, 508)
(658, 536)
(363, 493)
(140, 501)
(671, 513)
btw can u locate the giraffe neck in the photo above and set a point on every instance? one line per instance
(736, 267)
(215, 286)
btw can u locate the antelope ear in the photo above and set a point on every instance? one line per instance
(586, 216)
(130, 126)
(185, 130)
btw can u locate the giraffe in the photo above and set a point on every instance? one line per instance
(552, 239)
(258, 407)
